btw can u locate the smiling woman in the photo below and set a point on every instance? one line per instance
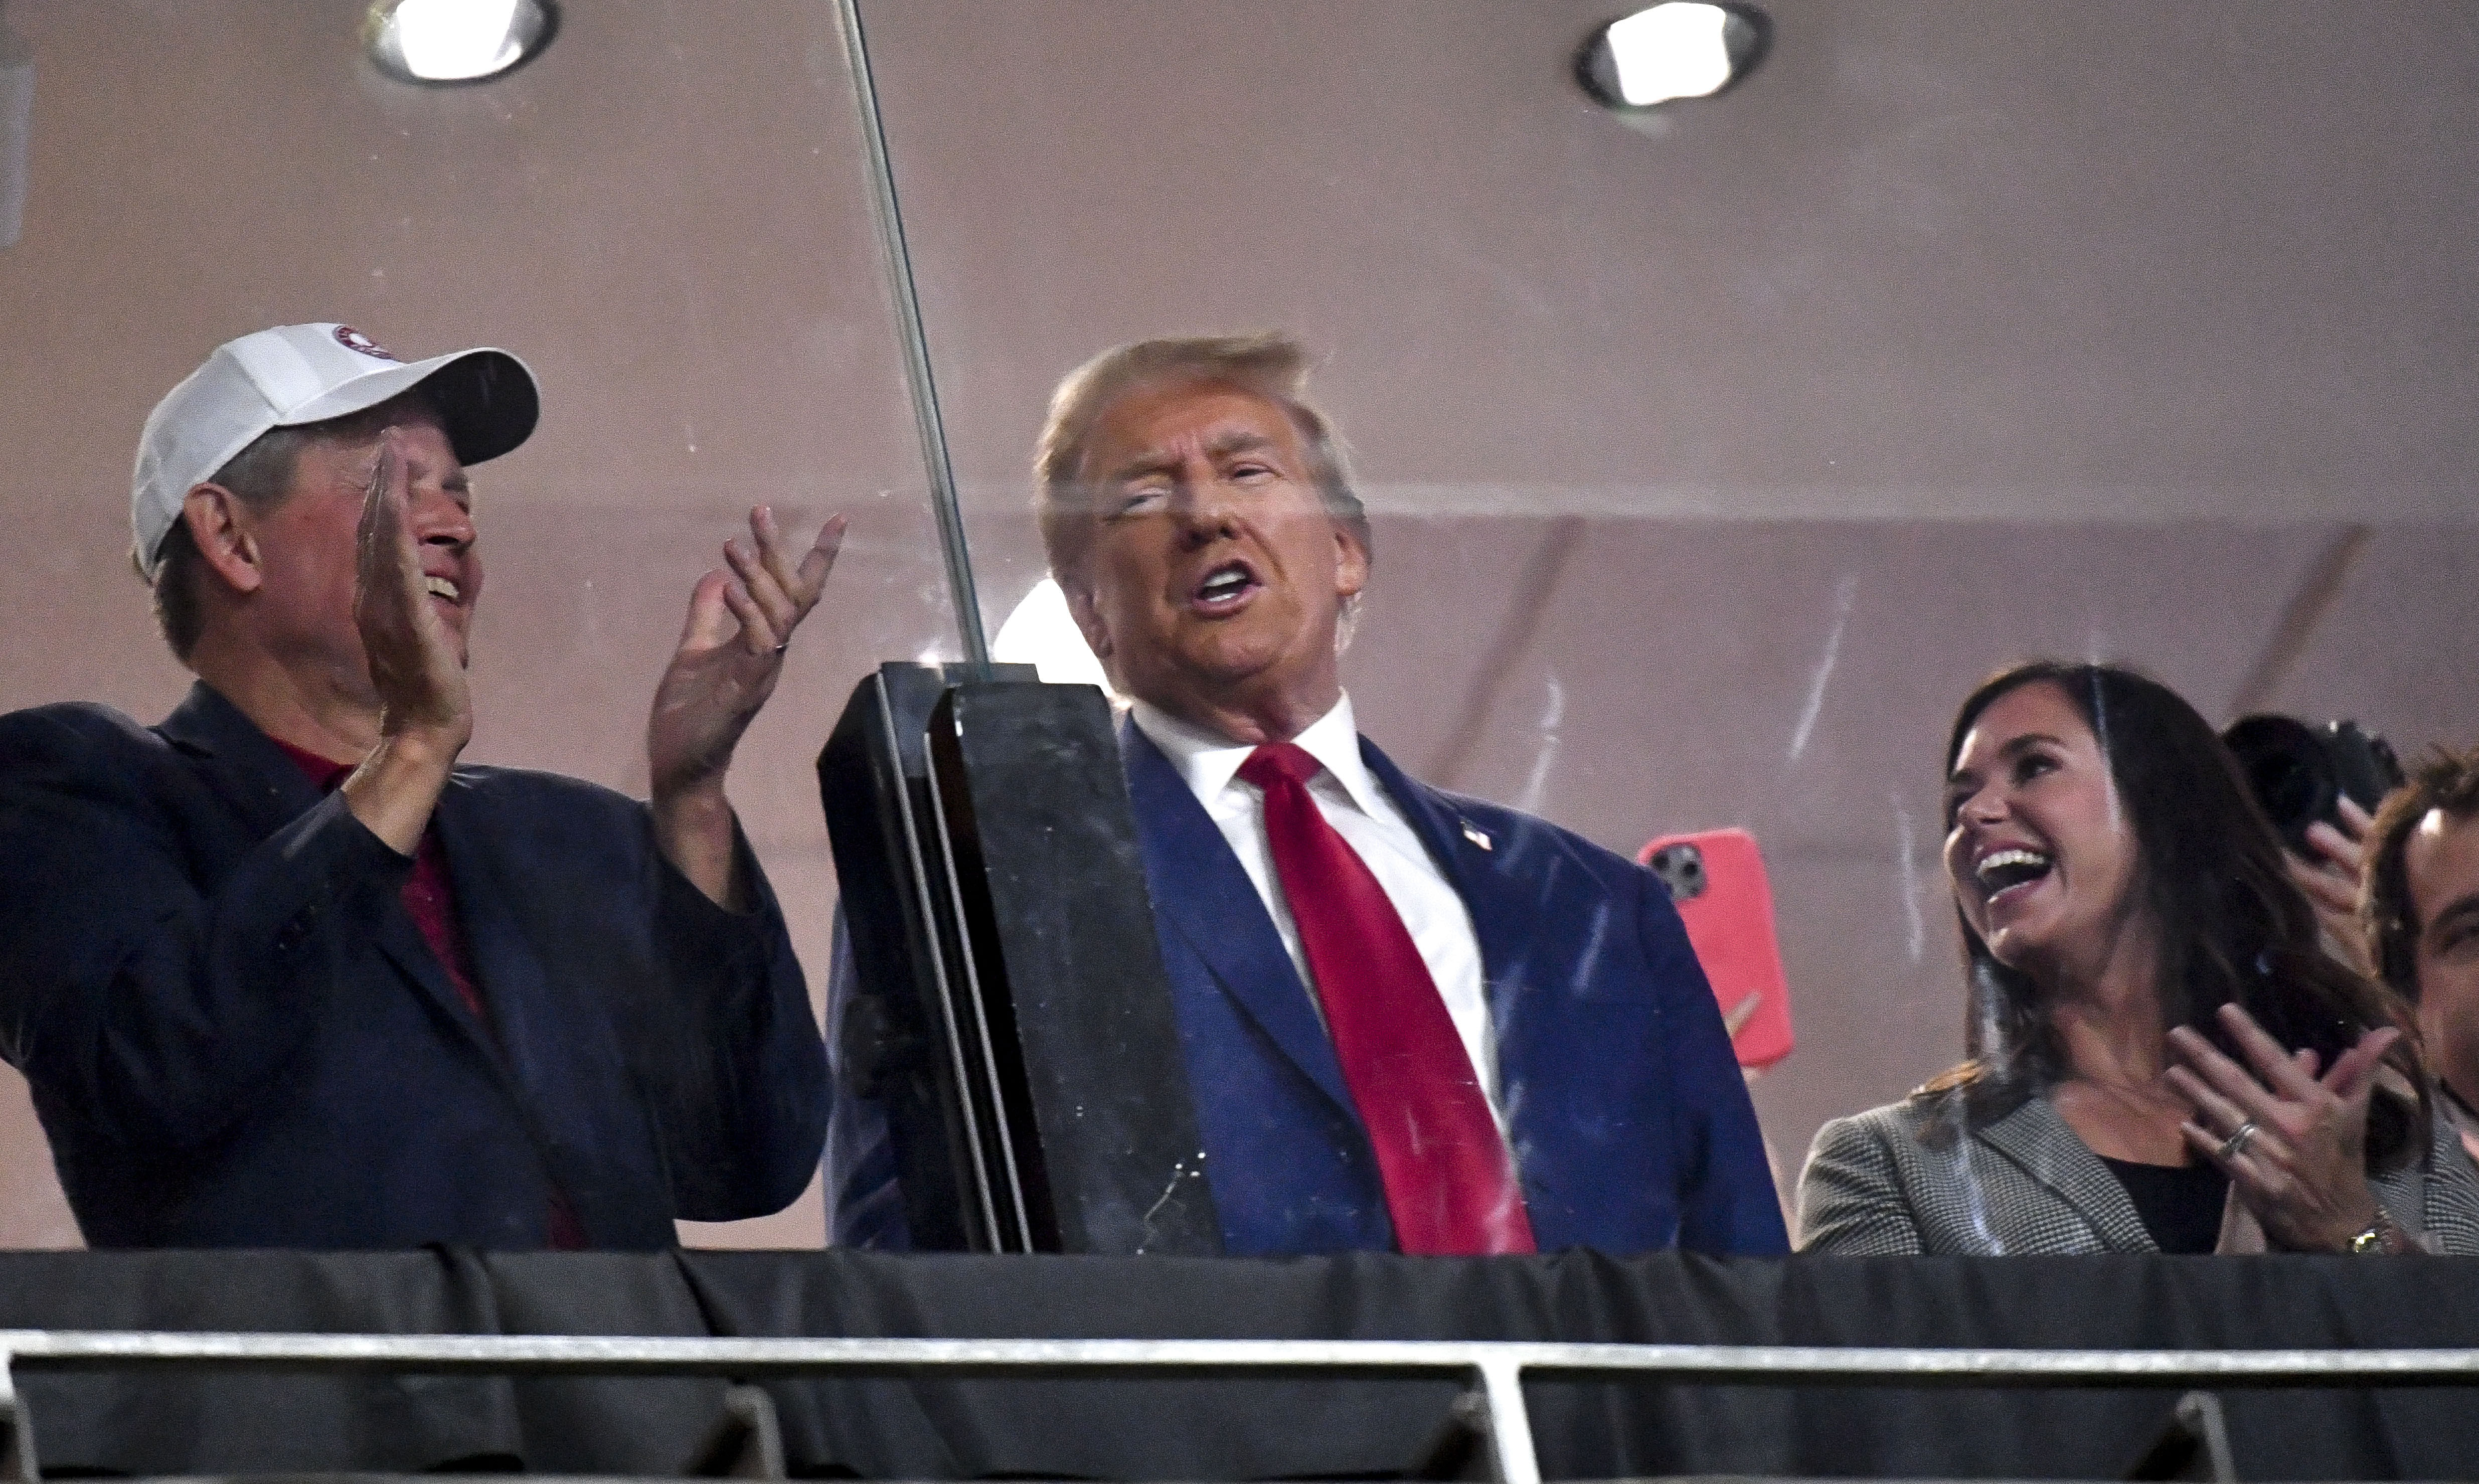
(2164, 1056)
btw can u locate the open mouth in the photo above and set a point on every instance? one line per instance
(442, 587)
(1225, 587)
(2004, 874)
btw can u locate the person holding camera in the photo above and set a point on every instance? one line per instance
(2163, 1055)
(2422, 917)
(2316, 784)
(2328, 872)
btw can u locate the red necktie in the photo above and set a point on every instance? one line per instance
(1449, 1183)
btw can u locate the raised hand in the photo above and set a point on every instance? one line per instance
(2330, 878)
(416, 665)
(741, 620)
(2293, 1143)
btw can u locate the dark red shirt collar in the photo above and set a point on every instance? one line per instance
(323, 773)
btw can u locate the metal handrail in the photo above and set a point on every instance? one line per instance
(1495, 1370)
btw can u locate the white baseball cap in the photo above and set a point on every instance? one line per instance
(297, 374)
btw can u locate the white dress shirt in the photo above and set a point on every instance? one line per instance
(1358, 810)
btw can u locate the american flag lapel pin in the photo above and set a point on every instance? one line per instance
(1473, 834)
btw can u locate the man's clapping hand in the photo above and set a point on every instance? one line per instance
(417, 661)
(741, 620)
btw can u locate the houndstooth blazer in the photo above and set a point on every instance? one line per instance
(1885, 1183)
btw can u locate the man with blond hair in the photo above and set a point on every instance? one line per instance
(1412, 1020)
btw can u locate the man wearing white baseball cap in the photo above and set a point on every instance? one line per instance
(282, 972)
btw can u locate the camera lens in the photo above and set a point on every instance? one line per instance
(2289, 770)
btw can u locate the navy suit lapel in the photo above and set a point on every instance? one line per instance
(507, 974)
(404, 946)
(240, 762)
(1201, 890)
(1470, 857)
(534, 1049)
(1524, 939)
(245, 767)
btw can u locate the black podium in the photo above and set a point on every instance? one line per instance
(1010, 1008)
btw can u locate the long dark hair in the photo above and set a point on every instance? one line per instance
(2231, 927)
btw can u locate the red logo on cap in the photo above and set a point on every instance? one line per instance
(354, 339)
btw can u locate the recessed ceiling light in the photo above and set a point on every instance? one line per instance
(457, 40)
(1664, 53)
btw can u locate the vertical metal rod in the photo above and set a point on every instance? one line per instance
(977, 998)
(1510, 1426)
(982, 1219)
(917, 375)
(18, 1462)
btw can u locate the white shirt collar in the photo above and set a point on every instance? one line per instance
(1210, 763)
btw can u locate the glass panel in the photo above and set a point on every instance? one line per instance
(1716, 452)
(1713, 451)
(664, 213)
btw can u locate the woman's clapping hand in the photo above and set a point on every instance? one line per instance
(2292, 1142)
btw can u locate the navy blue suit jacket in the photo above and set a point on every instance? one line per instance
(1629, 1120)
(236, 1036)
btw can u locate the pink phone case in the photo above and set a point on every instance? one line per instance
(1717, 880)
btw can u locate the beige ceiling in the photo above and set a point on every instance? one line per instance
(1713, 461)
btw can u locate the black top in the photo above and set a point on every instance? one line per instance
(2180, 1204)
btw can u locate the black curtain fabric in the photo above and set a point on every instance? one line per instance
(209, 1423)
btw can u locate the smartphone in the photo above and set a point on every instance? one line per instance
(1716, 881)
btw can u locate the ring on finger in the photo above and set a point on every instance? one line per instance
(2239, 1138)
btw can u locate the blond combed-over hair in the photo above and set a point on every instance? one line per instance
(1270, 365)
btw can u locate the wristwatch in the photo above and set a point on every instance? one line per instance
(2381, 1238)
